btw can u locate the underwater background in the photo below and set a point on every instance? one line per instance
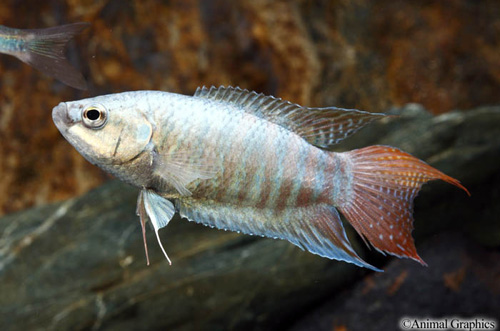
(79, 263)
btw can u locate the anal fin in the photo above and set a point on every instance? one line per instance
(317, 229)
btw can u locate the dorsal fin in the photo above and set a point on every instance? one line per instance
(322, 127)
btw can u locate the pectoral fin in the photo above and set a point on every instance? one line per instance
(159, 211)
(180, 168)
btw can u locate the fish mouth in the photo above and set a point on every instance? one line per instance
(60, 117)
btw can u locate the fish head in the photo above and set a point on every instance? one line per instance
(106, 130)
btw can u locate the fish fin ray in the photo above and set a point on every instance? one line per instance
(322, 127)
(45, 52)
(158, 210)
(317, 229)
(179, 168)
(380, 203)
(143, 218)
(320, 230)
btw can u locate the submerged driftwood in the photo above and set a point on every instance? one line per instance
(80, 264)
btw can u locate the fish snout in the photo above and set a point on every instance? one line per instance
(60, 116)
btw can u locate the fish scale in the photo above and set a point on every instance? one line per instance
(242, 161)
(254, 142)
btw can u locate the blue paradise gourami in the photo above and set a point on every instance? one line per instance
(242, 161)
(43, 49)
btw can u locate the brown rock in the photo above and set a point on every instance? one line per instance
(354, 54)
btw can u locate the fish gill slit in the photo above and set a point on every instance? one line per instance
(118, 142)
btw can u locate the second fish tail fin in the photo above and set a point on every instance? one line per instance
(378, 198)
(45, 52)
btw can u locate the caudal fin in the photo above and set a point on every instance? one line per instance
(45, 52)
(379, 200)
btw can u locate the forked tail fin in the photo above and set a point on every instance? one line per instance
(45, 52)
(379, 197)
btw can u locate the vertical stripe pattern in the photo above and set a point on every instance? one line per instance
(264, 165)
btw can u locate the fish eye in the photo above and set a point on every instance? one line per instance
(95, 117)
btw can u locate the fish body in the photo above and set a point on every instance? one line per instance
(44, 50)
(242, 161)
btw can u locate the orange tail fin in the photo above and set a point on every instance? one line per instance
(379, 200)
